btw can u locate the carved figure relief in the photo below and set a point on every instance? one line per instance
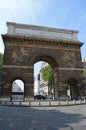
(20, 55)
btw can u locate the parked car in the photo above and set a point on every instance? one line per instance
(39, 97)
(49, 97)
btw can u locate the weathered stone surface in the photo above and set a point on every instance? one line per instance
(42, 32)
(22, 52)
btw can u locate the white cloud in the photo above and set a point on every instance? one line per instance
(79, 23)
(3, 29)
(21, 11)
(26, 10)
(2, 50)
(56, 13)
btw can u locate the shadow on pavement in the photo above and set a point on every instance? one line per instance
(26, 118)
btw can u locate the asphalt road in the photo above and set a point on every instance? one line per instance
(43, 118)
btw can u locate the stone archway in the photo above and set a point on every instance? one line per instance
(27, 44)
(54, 66)
(73, 87)
(17, 90)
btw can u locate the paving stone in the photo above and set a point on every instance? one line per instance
(82, 127)
(43, 118)
(67, 128)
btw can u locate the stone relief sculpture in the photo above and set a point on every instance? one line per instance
(20, 55)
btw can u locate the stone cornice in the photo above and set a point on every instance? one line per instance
(16, 66)
(36, 27)
(71, 69)
(31, 67)
(43, 41)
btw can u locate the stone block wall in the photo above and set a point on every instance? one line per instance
(21, 53)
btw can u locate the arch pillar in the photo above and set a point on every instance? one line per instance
(56, 84)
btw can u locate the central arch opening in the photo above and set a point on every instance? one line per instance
(43, 81)
(44, 85)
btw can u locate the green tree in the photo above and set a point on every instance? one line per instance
(47, 74)
(85, 73)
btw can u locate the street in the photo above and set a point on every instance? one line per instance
(43, 118)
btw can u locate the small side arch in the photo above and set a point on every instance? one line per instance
(73, 88)
(17, 89)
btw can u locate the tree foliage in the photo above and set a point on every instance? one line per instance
(85, 72)
(47, 74)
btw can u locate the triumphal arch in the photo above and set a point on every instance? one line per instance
(27, 44)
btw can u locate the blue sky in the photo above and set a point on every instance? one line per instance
(67, 14)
